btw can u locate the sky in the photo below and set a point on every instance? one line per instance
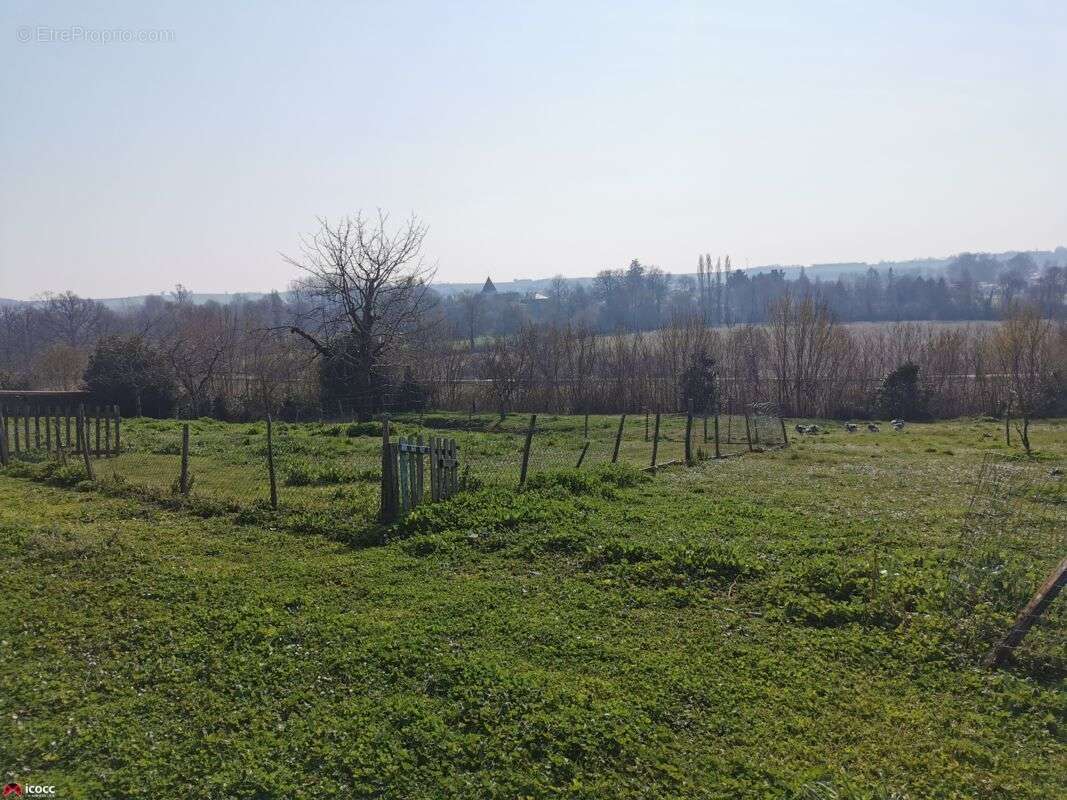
(533, 138)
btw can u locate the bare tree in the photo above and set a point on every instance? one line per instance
(367, 287)
(75, 321)
(473, 309)
(1022, 344)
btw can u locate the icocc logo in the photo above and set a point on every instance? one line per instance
(13, 790)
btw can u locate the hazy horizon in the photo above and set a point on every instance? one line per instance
(532, 139)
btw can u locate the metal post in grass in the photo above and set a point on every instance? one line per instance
(717, 454)
(689, 435)
(585, 428)
(118, 430)
(83, 434)
(183, 478)
(3, 438)
(526, 450)
(618, 440)
(270, 465)
(655, 444)
(581, 457)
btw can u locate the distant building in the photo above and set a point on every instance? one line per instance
(488, 288)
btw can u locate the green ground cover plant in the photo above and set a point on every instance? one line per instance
(777, 625)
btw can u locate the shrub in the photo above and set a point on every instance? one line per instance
(902, 394)
(130, 373)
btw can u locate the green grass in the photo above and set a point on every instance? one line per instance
(776, 625)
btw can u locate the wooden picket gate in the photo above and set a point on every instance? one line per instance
(404, 475)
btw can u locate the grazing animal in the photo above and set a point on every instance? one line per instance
(872, 427)
(850, 427)
(800, 429)
(898, 424)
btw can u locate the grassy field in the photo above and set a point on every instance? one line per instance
(785, 624)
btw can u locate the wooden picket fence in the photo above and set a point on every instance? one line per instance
(404, 472)
(52, 426)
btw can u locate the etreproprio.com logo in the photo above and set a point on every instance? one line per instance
(13, 790)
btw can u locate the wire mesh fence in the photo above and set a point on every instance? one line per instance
(339, 465)
(1013, 539)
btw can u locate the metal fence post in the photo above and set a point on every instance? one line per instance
(526, 450)
(183, 478)
(270, 465)
(618, 440)
(655, 443)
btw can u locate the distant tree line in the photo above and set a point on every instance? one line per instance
(644, 298)
(363, 332)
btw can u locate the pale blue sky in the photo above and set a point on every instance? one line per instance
(534, 138)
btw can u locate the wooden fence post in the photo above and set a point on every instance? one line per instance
(183, 478)
(655, 443)
(47, 429)
(15, 428)
(403, 458)
(585, 428)
(26, 425)
(85, 438)
(98, 431)
(1029, 615)
(36, 426)
(387, 513)
(118, 430)
(419, 472)
(618, 440)
(785, 436)
(526, 450)
(748, 431)
(270, 463)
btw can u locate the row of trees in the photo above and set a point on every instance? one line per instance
(804, 360)
(641, 298)
(362, 332)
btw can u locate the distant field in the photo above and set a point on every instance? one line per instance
(776, 625)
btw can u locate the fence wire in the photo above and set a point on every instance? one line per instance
(338, 464)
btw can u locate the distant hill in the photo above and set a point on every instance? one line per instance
(824, 272)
